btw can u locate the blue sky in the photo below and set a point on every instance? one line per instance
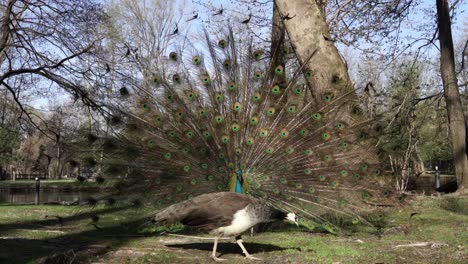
(237, 13)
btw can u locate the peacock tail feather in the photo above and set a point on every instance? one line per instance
(210, 110)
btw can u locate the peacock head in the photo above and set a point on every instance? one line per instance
(292, 217)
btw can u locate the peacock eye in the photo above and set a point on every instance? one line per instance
(237, 107)
(227, 64)
(232, 86)
(173, 56)
(275, 90)
(176, 78)
(279, 70)
(156, 79)
(196, 60)
(206, 79)
(258, 75)
(257, 97)
(328, 97)
(257, 54)
(222, 43)
(123, 91)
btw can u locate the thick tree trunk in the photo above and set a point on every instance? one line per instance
(455, 113)
(5, 29)
(278, 33)
(309, 34)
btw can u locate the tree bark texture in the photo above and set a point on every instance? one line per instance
(5, 29)
(455, 113)
(278, 33)
(309, 34)
(325, 70)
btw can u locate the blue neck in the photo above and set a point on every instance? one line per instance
(238, 187)
(238, 182)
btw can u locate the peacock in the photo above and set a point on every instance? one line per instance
(217, 115)
(237, 213)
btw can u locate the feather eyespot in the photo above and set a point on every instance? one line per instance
(226, 64)
(257, 97)
(271, 111)
(284, 133)
(176, 78)
(279, 70)
(222, 43)
(124, 91)
(237, 106)
(275, 90)
(196, 60)
(206, 79)
(258, 75)
(232, 86)
(235, 127)
(173, 56)
(257, 54)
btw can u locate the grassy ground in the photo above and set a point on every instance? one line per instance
(59, 234)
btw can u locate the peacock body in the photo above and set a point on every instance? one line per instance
(224, 214)
(219, 116)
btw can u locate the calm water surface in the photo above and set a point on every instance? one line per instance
(28, 195)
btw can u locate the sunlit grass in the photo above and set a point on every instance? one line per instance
(126, 235)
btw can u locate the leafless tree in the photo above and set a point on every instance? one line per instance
(46, 46)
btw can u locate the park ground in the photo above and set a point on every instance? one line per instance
(422, 230)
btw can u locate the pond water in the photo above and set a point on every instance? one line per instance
(28, 195)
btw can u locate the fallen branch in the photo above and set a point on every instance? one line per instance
(422, 244)
(202, 238)
(43, 230)
(350, 240)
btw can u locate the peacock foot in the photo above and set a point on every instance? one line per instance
(252, 257)
(217, 259)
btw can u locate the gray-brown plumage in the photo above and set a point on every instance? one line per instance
(223, 214)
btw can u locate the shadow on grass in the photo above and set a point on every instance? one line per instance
(230, 247)
(80, 247)
(87, 246)
(52, 220)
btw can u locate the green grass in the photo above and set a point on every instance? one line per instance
(123, 235)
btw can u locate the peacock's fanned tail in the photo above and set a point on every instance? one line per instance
(210, 112)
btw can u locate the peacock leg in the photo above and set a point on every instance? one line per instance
(215, 246)
(247, 255)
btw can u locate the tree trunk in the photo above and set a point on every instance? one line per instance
(278, 33)
(58, 173)
(309, 34)
(455, 113)
(5, 30)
